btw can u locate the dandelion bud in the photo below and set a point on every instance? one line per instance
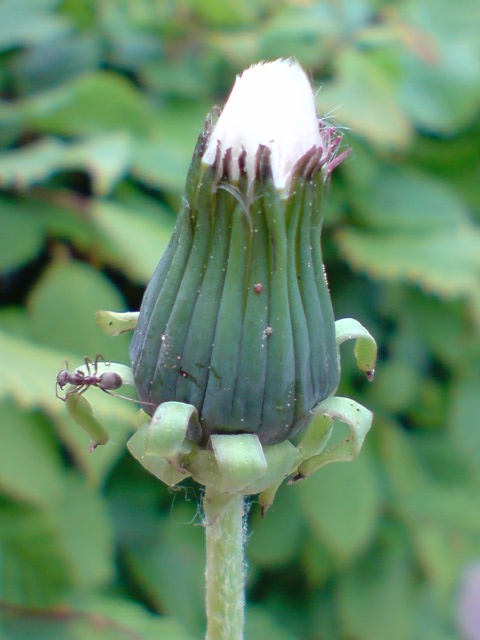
(237, 319)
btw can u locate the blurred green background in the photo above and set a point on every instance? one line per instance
(101, 103)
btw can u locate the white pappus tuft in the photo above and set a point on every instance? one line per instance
(271, 104)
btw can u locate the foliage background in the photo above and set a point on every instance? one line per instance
(101, 103)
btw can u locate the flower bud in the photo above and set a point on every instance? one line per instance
(237, 319)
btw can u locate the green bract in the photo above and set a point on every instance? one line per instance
(237, 464)
(237, 319)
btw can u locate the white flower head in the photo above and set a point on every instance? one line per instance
(271, 104)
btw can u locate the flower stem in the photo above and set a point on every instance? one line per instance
(225, 570)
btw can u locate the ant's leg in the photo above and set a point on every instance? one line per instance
(80, 390)
(77, 389)
(110, 393)
(118, 395)
(88, 362)
(57, 386)
(97, 360)
(98, 357)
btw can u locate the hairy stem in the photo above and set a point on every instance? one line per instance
(225, 569)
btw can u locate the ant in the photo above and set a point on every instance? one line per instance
(107, 381)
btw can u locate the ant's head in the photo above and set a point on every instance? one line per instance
(62, 378)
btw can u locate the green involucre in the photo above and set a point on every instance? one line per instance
(237, 318)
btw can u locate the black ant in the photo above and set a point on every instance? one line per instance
(107, 381)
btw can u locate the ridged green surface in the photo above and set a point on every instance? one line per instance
(219, 395)
(201, 331)
(303, 353)
(250, 358)
(169, 359)
(279, 391)
(252, 364)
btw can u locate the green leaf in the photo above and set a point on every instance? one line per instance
(93, 617)
(82, 13)
(26, 22)
(442, 99)
(105, 158)
(33, 570)
(20, 168)
(442, 517)
(397, 385)
(362, 96)
(22, 237)
(15, 320)
(181, 77)
(276, 538)
(399, 199)
(62, 216)
(463, 418)
(162, 159)
(450, 507)
(444, 262)
(440, 91)
(50, 63)
(46, 553)
(318, 563)
(384, 576)
(229, 13)
(127, 230)
(441, 552)
(170, 569)
(306, 32)
(97, 103)
(31, 469)
(442, 329)
(122, 619)
(341, 503)
(85, 537)
(433, 620)
(260, 625)
(324, 614)
(62, 308)
(402, 466)
(17, 626)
